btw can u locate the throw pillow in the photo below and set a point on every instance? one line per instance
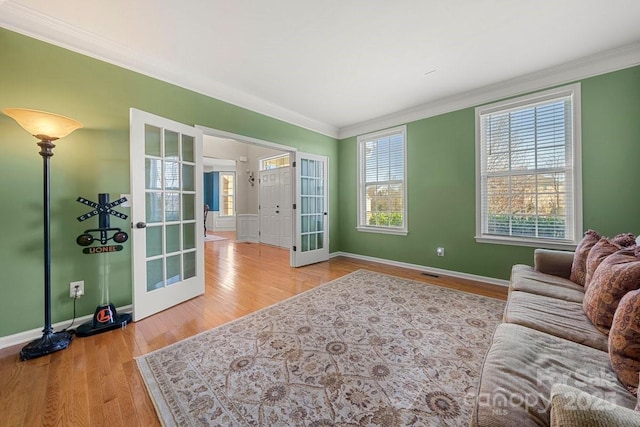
(625, 240)
(624, 340)
(579, 265)
(615, 276)
(602, 249)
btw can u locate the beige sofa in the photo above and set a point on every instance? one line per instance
(547, 363)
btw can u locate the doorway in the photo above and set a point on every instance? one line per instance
(307, 199)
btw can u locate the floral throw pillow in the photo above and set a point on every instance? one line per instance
(624, 341)
(579, 265)
(597, 254)
(616, 275)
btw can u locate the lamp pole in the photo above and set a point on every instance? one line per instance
(50, 341)
(46, 151)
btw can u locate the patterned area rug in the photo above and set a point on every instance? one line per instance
(364, 350)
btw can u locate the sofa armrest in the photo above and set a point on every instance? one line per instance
(571, 407)
(557, 263)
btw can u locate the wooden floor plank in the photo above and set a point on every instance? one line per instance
(96, 382)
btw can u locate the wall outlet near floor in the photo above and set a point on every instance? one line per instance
(440, 251)
(72, 289)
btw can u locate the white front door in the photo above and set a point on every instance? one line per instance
(167, 213)
(269, 187)
(276, 207)
(312, 210)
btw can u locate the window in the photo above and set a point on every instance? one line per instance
(382, 192)
(227, 194)
(528, 174)
(275, 162)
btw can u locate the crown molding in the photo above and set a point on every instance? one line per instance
(29, 22)
(604, 62)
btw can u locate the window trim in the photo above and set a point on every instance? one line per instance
(361, 225)
(572, 91)
(221, 195)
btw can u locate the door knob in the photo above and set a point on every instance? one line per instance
(141, 225)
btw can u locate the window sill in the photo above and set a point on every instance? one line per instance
(382, 231)
(533, 243)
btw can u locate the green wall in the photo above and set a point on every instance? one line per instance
(94, 159)
(441, 183)
(441, 174)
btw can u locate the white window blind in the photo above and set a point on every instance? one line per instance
(528, 168)
(382, 186)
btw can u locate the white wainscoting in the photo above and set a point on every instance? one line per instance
(216, 222)
(247, 228)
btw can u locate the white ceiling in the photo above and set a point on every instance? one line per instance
(345, 66)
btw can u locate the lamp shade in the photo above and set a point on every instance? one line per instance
(41, 124)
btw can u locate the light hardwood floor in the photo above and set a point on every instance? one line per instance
(95, 381)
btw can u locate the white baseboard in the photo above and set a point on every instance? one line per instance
(26, 336)
(425, 269)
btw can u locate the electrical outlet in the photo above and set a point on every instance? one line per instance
(440, 251)
(72, 289)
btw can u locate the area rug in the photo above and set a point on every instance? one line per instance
(213, 238)
(364, 350)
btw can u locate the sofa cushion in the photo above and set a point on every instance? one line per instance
(571, 407)
(579, 266)
(525, 278)
(522, 365)
(563, 319)
(624, 340)
(618, 274)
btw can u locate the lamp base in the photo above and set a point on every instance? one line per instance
(48, 343)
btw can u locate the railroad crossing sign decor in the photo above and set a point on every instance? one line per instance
(105, 317)
(104, 210)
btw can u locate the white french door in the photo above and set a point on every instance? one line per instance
(167, 213)
(312, 219)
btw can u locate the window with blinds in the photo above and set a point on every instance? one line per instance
(227, 194)
(529, 171)
(382, 205)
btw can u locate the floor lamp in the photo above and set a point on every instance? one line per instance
(47, 127)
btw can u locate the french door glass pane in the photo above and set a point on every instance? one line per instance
(154, 241)
(172, 208)
(171, 176)
(189, 264)
(188, 149)
(152, 137)
(189, 201)
(188, 177)
(153, 174)
(155, 278)
(171, 145)
(173, 269)
(189, 235)
(153, 206)
(173, 238)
